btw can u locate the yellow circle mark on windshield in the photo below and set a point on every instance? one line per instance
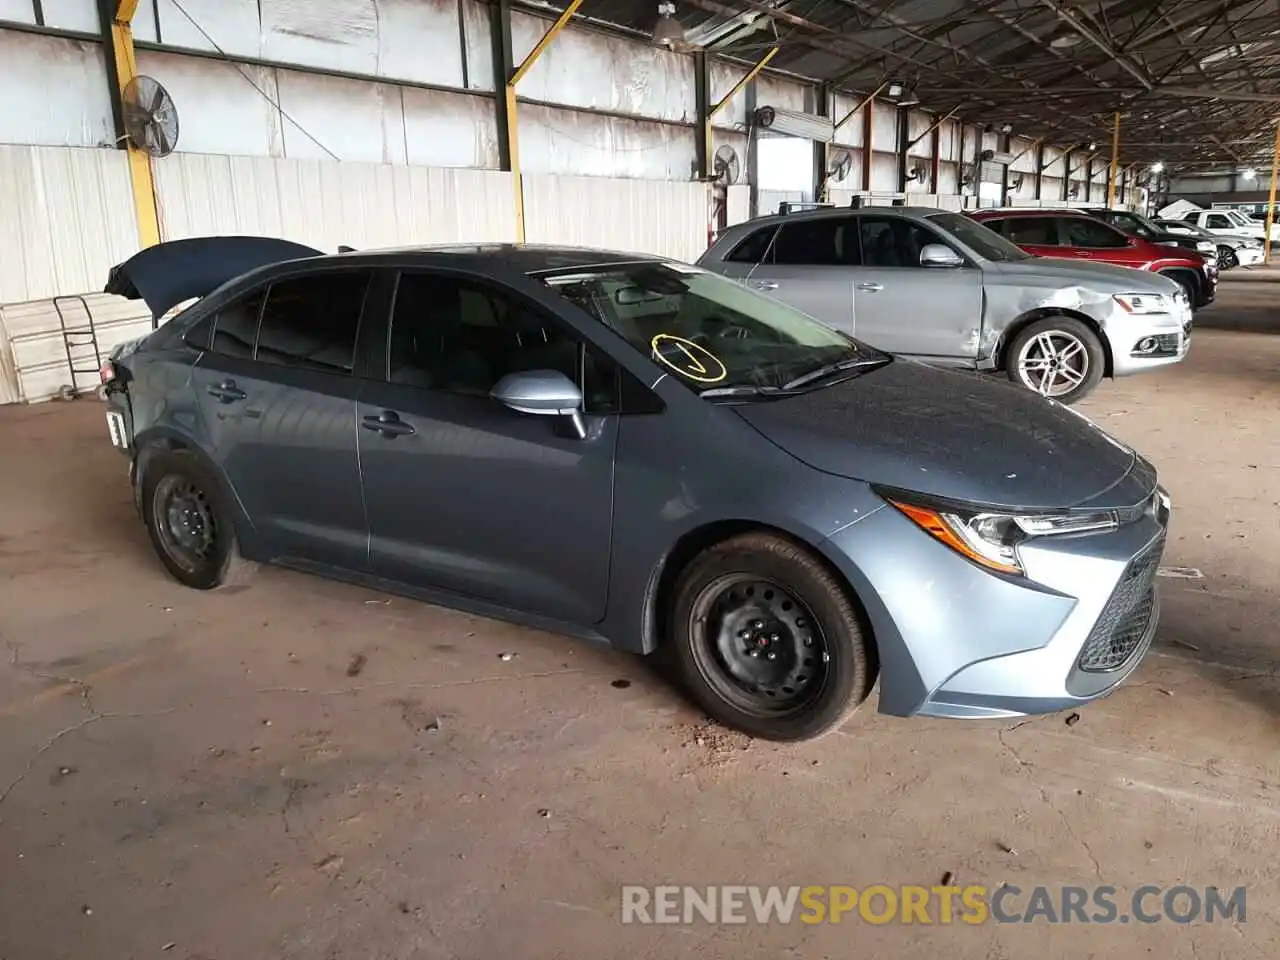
(688, 359)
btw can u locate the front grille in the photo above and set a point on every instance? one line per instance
(1124, 620)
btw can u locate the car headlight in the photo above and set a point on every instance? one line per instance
(991, 540)
(1144, 303)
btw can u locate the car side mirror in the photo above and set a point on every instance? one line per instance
(542, 393)
(940, 255)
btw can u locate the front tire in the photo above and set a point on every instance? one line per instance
(768, 641)
(1057, 357)
(191, 523)
(1227, 259)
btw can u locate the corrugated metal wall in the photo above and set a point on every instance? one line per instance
(633, 215)
(68, 217)
(325, 204)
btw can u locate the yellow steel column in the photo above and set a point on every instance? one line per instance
(724, 101)
(144, 190)
(513, 132)
(1271, 202)
(1115, 163)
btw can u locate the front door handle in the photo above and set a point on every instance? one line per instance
(227, 391)
(389, 424)
(869, 287)
(764, 285)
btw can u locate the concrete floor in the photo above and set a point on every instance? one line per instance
(306, 769)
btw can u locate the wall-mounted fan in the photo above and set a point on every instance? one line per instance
(1015, 183)
(150, 118)
(726, 168)
(841, 164)
(916, 173)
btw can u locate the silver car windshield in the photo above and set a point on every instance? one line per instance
(713, 334)
(983, 241)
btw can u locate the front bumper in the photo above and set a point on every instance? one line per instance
(1146, 342)
(1249, 256)
(957, 641)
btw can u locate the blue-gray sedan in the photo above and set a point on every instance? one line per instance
(637, 451)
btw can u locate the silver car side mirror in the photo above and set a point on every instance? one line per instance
(544, 393)
(940, 255)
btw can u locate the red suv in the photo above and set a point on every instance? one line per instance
(1078, 236)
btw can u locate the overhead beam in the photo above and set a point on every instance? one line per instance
(117, 23)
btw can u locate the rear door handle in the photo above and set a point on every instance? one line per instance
(389, 424)
(869, 287)
(764, 285)
(227, 392)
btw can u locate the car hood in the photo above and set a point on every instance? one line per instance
(954, 435)
(1059, 270)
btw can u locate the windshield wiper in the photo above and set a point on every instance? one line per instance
(833, 368)
(741, 391)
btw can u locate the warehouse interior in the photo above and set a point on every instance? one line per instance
(307, 768)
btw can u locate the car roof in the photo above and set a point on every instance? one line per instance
(822, 213)
(526, 258)
(1026, 212)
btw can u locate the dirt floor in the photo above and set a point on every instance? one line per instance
(305, 769)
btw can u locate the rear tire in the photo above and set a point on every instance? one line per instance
(191, 522)
(1070, 344)
(768, 641)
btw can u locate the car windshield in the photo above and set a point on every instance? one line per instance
(982, 240)
(1139, 224)
(1237, 217)
(1178, 226)
(713, 334)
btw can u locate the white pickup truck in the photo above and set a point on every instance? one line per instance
(1220, 221)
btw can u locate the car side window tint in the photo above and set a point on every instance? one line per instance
(1032, 231)
(894, 241)
(1218, 222)
(459, 337)
(823, 242)
(752, 249)
(311, 321)
(1087, 232)
(236, 327)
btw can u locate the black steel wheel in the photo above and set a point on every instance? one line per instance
(768, 640)
(758, 645)
(190, 522)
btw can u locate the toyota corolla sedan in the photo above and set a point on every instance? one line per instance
(639, 452)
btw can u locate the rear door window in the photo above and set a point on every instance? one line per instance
(754, 248)
(235, 328)
(1087, 232)
(1218, 221)
(821, 242)
(1032, 231)
(311, 321)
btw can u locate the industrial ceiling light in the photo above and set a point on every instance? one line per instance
(1006, 128)
(1157, 167)
(1093, 145)
(1062, 41)
(1249, 173)
(667, 32)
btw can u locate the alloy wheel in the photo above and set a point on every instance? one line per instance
(1053, 363)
